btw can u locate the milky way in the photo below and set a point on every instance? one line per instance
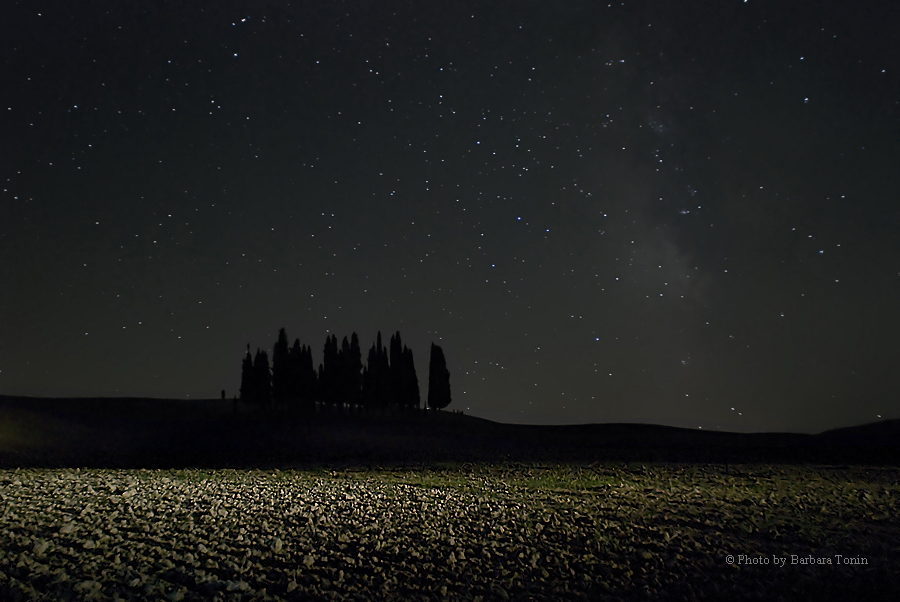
(600, 212)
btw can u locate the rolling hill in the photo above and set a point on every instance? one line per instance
(157, 433)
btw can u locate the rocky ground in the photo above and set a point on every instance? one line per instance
(463, 532)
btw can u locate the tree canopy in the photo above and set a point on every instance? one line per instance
(388, 379)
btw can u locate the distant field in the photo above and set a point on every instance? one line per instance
(463, 532)
(165, 433)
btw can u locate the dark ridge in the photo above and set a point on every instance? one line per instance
(885, 432)
(168, 433)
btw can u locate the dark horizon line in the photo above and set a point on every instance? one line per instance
(274, 409)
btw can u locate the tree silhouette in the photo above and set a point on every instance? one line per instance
(438, 380)
(247, 377)
(382, 375)
(330, 371)
(262, 377)
(344, 387)
(376, 381)
(353, 365)
(408, 381)
(295, 360)
(308, 380)
(302, 376)
(388, 378)
(396, 351)
(369, 396)
(280, 369)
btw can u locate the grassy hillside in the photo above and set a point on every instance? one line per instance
(135, 433)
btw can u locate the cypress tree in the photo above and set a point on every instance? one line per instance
(247, 392)
(262, 377)
(343, 387)
(308, 380)
(295, 363)
(328, 373)
(354, 366)
(280, 368)
(396, 354)
(409, 381)
(319, 391)
(370, 380)
(438, 380)
(382, 376)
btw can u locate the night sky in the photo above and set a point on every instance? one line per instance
(677, 213)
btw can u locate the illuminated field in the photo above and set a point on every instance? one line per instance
(464, 532)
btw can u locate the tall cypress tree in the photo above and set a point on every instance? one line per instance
(262, 377)
(280, 368)
(382, 375)
(295, 359)
(370, 379)
(343, 387)
(308, 379)
(438, 380)
(328, 373)
(409, 382)
(320, 383)
(354, 367)
(396, 354)
(247, 378)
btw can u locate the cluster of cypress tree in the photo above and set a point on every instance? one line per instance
(339, 375)
(256, 380)
(388, 379)
(291, 376)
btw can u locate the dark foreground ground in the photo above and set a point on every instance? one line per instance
(154, 433)
(111, 499)
(468, 532)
